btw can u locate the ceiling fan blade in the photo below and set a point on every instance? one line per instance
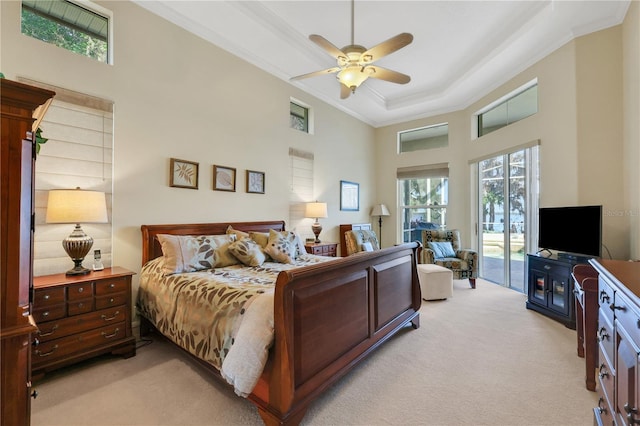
(344, 91)
(327, 46)
(386, 47)
(387, 75)
(316, 73)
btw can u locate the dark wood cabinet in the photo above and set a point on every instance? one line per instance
(22, 106)
(550, 288)
(322, 249)
(81, 316)
(618, 342)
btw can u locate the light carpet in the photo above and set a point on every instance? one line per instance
(479, 358)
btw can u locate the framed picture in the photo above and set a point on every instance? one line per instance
(349, 196)
(255, 182)
(224, 178)
(183, 174)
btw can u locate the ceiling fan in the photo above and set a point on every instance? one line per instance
(354, 61)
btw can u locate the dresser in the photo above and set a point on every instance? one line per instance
(618, 342)
(22, 108)
(81, 316)
(322, 249)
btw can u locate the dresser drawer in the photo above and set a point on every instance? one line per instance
(80, 291)
(605, 298)
(605, 337)
(59, 348)
(628, 317)
(79, 307)
(64, 327)
(606, 378)
(48, 296)
(106, 287)
(109, 301)
(49, 313)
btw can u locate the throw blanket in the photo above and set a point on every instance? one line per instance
(223, 316)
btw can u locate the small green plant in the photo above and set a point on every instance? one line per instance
(39, 140)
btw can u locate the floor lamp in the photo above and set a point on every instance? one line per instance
(380, 210)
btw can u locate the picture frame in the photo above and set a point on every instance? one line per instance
(224, 178)
(349, 196)
(183, 174)
(255, 182)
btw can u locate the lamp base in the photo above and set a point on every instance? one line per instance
(78, 270)
(77, 245)
(316, 228)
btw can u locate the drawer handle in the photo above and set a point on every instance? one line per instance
(46, 297)
(614, 307)
(50, 332)
(604, 297)
(105, 318)
(109, 336)
(80, 289)
(45, 314)
(600, 407)
(602, 334)
(604, 373)
(547, 267)
(630, 412)
(53, 349)
(112, 285)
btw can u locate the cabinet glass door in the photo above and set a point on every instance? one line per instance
(558, 293)
(537, 287)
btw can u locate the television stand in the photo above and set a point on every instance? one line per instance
(550, 287)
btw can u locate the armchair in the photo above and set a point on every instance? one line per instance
(463, 262)
(360, 240)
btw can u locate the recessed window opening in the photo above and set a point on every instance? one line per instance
(300, 116)
(435, 136)
(74, 27)
(514, 107)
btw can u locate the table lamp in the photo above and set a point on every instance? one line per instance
(316, 210)
(77, 206)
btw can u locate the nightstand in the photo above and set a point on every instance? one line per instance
(81, 316)
(322, 249)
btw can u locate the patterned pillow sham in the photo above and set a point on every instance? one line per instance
(223, 255)
(248, 252)
(282, 246)
(183, 253)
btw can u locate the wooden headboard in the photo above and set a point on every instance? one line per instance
(151, 246)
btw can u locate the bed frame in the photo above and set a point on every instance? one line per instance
(328, 317)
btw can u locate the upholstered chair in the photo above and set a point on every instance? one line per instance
(361, 240)
(463, 262)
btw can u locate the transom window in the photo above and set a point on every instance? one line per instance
(299, 117)
(65, 24)
(517, 105)
(436, 136)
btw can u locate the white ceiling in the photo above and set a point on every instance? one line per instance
(461, 49)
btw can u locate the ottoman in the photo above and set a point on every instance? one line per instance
(436, 282)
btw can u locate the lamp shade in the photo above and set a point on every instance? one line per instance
(316, 210)
(380, 210)
(76, 206)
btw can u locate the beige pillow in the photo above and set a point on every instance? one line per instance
(223, 255)
(262, 238)
(282, 246)
(248, 252)
(185, 253)
(239, 234)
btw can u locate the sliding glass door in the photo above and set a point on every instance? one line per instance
(507, 195)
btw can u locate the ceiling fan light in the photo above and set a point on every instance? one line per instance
(352, 77)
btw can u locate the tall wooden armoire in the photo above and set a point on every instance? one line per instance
(22, 108)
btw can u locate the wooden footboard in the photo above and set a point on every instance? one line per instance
(330, 316)
(327, 317)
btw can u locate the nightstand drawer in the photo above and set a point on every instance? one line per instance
(64, 327)
(110, 286)
(79, 307)
(109, 301)
(79, 291)
(50, 313)
(48, 296)
(59, 348)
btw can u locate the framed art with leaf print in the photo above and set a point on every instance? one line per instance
(255, 182)
(224, 178)
(183, 174)
(349, 196)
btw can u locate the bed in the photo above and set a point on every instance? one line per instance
(327, 316)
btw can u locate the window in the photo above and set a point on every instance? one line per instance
(424, 195)
(299, 117)
(436, 136)
(514, 107)
(68, 25)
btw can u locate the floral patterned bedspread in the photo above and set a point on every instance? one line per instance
(204, 312)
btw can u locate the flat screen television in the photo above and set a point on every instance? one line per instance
(571, 230)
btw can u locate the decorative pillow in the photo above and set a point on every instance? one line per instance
(185, 253)
(239, 234)
(281, 246)
(223, 255)
(442, 249)
(248, 252)
(367, 246)
(262, 238)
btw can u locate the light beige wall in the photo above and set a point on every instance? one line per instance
(176, 95)
(631, 118)
(579, 128)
